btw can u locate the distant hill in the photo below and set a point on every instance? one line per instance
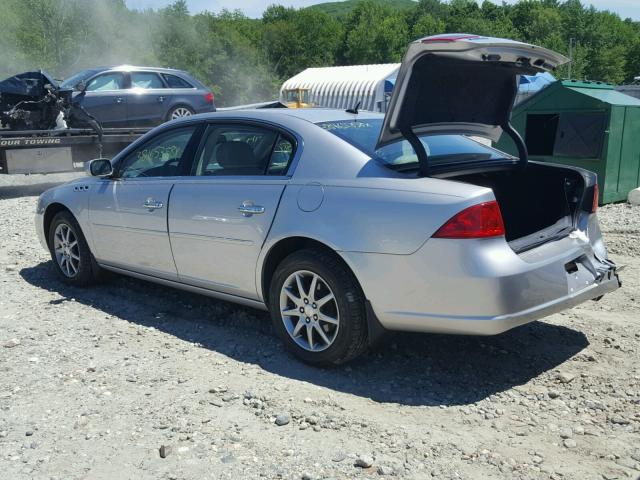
(342, 9)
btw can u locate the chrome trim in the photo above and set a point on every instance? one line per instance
(248, 209)
(190, 288)
(152, 204)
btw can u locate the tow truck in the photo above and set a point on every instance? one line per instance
(56, 151)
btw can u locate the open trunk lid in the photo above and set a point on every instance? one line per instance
(460, 84)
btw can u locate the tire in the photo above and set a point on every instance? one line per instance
(180, 111)
(72, 259)
(348, 337)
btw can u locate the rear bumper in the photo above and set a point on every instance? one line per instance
(479, 287)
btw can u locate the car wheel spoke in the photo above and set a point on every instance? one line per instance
(324, 300)
(301, 291)
(327, 319)
(292, 312)
(299, 325)
(292, 297)
(310, 337)
(323, 335)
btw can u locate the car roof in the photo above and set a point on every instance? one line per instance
(126, 68)
(312, 115)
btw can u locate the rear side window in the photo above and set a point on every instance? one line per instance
(243, 150)
(176, 82)
(145, 80)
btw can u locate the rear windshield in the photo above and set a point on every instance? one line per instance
(442, 149)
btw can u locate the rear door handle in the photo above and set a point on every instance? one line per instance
(119, 100)
(151, 204)
(161, 99)
(248, 209)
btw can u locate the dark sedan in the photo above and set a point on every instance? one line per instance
(127, 96)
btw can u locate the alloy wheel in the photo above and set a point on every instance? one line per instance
(67, 250)
(180, 112)
(309, 311)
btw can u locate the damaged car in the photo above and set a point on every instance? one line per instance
(345, 224)
(35, 101)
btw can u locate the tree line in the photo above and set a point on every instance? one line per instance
(245, 60)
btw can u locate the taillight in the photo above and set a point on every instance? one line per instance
(209, 97)
(596, 196)
(478, 221)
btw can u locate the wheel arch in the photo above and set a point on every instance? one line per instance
(285, 247)
(50, 212)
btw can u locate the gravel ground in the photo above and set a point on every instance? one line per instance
(133, 380)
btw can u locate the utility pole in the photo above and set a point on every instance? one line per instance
(571, 41)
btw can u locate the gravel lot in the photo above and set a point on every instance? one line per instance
(104, 383)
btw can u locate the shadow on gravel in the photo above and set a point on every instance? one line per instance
(409, 369)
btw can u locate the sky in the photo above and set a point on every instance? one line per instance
(254, 8)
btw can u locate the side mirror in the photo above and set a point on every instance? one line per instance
(81, 87)
(101, 167)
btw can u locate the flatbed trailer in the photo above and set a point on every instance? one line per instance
(57, 151)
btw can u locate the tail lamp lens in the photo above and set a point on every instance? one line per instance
(209, 97)
(596, 196)
(478, 221)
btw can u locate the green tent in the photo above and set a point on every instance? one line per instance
(585, 124)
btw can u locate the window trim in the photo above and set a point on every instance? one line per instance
(187, 157)
(296, 142)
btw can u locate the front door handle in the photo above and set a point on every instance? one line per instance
(119, 100)
(248, 209)
(151, 204)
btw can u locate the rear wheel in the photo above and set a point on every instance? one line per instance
(318, 309)
(180, 111)
(70, 252)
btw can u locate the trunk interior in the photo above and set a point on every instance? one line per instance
(537, 204)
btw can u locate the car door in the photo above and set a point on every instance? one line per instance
(147, 99)
(128, 213)
(220, 217)
(105, 98)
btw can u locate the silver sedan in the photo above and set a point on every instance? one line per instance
(347, 224)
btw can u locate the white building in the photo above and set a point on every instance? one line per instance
(344, 87)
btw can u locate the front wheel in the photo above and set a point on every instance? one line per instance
(318, 308)
(70, 252)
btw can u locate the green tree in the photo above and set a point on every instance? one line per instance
(375, 33)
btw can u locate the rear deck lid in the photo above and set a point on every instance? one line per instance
(460, 84)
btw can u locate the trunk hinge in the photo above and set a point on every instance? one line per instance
(418, 147)
(523, 154)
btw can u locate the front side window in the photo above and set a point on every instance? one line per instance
(162, 156)
(145, 80)
(175, 82)
(106, 82)
(441, 149)
(243, 150)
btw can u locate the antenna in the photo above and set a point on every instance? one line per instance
(354, 110)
